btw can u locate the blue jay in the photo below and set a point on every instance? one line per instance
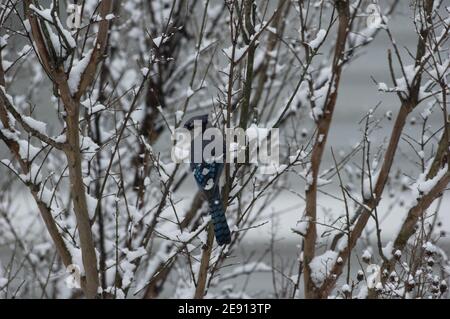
(207, 174)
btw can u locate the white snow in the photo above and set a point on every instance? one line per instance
(157, 41)
(423, 186)
(209, 184)
(238, 52)
(134, 254)
(92, 109)
(189, 92)
(320, 138)
(3, 282)
(387, 250)
(91, 205)
(302, 226)
(246, 269)
(77, 260)
(410, 72)
(179, 115)
(319, 98)
(382, 87)
(45, 196)
(144, 71)
(61, 138)
(369, 184)
(33, 176)
(440, 70)
(429, 247)
(76, 72)
(36, 125)
(44, 13)
(26, 48)
(3, 40)
(366, 254)
(56, 43)
(87, 145)
(166, 170)
(127, 272)
(67, 35)
(346, 288)
(26, 150)
(314, 44)
(321, 266)
(373, 273)
(363, 292)
(298, 156)
(302, 96)
(6, 64)
(426, 113)
(97, 108)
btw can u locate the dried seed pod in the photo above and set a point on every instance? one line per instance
(443, 287)
(379, 288)
(367, 256)
(410, 286)
(360, 275)
(435, 281)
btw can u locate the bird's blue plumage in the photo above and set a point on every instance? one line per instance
(221, 230)
(207, 175)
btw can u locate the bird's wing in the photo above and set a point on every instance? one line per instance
(207, 175)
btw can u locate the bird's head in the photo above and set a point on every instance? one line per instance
(197, 120)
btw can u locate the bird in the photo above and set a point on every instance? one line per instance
(207, 174)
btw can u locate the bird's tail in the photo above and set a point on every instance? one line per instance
(221, 229)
